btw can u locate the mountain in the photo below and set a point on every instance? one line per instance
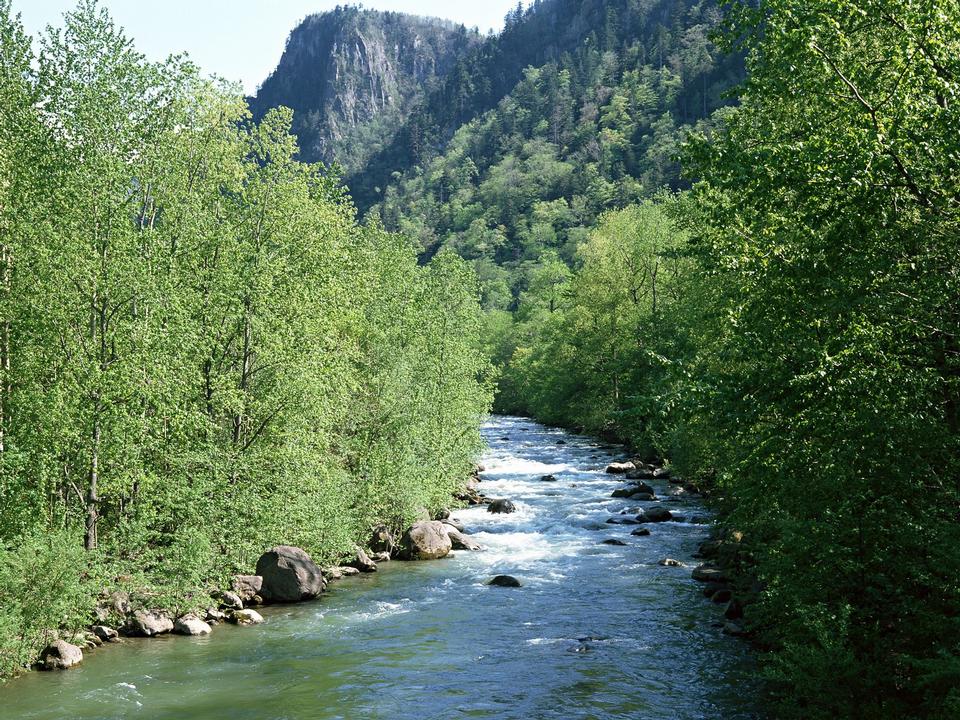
(671, 34)
(352, 77)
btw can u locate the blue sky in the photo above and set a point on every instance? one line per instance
(241, 39)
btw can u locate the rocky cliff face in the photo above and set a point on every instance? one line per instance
(351, 76)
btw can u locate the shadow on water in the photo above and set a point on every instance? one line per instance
(596, 632)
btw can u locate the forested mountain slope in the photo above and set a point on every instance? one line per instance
(517, 189)
(672, 33)
(352, 76)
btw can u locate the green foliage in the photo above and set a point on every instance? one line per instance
(203, 354)
(43, 586)
(595, 129)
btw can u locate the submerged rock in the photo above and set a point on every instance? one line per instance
(289, 575)
(613, 541)
(641, 532)
(507, 581)
(425, 541)
(501, 507)
(60, 655)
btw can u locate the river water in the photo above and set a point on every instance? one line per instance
(596, 631)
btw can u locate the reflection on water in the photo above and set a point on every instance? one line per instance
(596, 631)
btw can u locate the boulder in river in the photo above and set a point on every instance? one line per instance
(425, 541)
(501, 507)
(641, 532)
(561, 442)
(460, 540)
(246, 617)
(289, 575)
(148, 623)
(456, 524)
(247, 588)
(622, 521)
(709, 573)
(670, 562)
(60, 655)
(620, 468)
(362, 562)
(662, 473)
(613, 541)
(191, 625)
(507, 581)
(548, 478)
(640, 474)
(655, 514)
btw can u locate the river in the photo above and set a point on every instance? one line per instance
(596, 632)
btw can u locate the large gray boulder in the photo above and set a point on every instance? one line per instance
(148, 623)
(620, 468)
(60, 655)
(426, 540)
(289, 575)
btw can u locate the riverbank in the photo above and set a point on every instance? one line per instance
(594, 627)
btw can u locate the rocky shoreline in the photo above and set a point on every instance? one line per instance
(716, 573)
(287, 574)
(283, 575)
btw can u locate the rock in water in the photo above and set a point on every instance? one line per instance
(620, 468)
(426, 540)
(289, 575)
(501, 507)
(655, 515)
(613, 541)
(461, 541)
(148, 624)
(246, 617)
(507, 581)
(641, 532)
(548, 478)
(709, 573)
(247, 588)
(191, 625)
(670, 562)
(60, 655)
